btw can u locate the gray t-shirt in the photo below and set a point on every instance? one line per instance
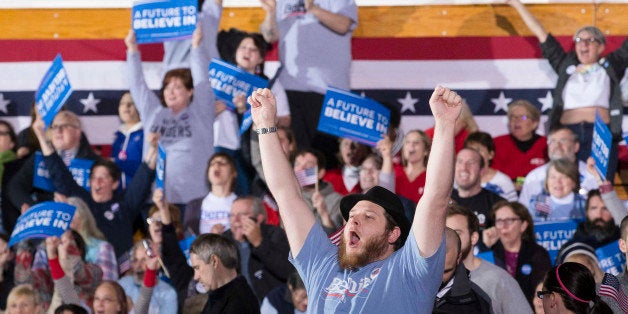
(405, 282)
(186, 136)
(314, 56)
(506, 295)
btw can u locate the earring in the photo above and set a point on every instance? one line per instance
(258, 70)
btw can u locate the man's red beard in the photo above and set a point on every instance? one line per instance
(373, 249)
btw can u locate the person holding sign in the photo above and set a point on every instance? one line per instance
(230, 126)
(377, 241)
(180, 114)
(587, 83)
(62, 136)
(69, 255)
(114, 211)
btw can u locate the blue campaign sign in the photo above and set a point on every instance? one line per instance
(160, 169)
(53, 91)
(43, 220)
(601, 145)
(229, 81)
(80, 169)
(553, 234)
(185, 246)
(611, 259)
(161, 20)
(487, 256)
(348, 115)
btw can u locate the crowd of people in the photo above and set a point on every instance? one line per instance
(285, 219)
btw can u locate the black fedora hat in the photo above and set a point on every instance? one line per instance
(384, 198)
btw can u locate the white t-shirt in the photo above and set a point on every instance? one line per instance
(215, 210)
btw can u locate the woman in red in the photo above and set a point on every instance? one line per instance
(410, 178)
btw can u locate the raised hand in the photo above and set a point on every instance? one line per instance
(161, 202)
(263, 108)
(445, 104)
(384, 146)
(252, 231)
(269, 6)
(490, 236)
(51, 247)
(131, 42)
(197, 36)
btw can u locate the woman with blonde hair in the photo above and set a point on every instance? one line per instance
(98, 250)
(24, 299)
(410, 178)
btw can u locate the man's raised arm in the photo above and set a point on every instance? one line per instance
(295, 213)
(429, 219)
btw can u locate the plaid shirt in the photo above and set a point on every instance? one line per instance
(86, 276)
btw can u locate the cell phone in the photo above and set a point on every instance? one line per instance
(149, 250)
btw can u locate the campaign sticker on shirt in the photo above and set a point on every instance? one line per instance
(571, 69)
(109, 215)
(122, 155)
(526, 269)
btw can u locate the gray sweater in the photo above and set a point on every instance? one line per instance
(187, 136)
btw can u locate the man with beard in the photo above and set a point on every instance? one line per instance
(469, 192)
(599, 227)
(374, 269)
(164, 299)
(457, 294)
(504, 291)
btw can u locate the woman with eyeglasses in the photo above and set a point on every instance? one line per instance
(522, 149)
(514, 247)
(587, 83)
(570, 288)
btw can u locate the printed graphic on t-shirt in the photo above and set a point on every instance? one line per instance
(293, 8)
(172, 129)
(342, 289)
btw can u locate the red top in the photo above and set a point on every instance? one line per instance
(411, 190)
(334, 176)
(515, 163)
(458, 139)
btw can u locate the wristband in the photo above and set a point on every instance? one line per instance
(271, 129)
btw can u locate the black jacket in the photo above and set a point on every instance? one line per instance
(236, 297)
(268, 264)
(464, 296)
(20, 189)
(114, 217)
(614, 63)
(532, 265)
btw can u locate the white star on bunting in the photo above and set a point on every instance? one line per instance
(90, 103)
(546, 101)
(501, 102)
(408, 102)
(4, 103)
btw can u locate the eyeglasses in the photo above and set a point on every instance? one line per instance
(590, 40)
(517, 117)
(542, 293)
(499, 223)
(151, 220)
(62, 127)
